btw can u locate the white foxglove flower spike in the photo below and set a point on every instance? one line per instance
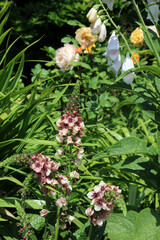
(102, 33)
(109, 4)
(128, 64)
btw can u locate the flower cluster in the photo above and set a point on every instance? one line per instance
(104, 198)
(43, 169)
(71, 127)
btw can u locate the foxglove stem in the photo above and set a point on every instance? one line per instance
(90, 232)
(57, 224)
(147, 34)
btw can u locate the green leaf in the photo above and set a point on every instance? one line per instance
(104, 100)
(128, 145)
(12, 179)
(36, 221)
(75, 23)
(134, 163)
(93, 82)
(80, 64)
(135, 226)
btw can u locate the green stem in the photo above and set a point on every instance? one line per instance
(147, 34)
(90, 232)
(57, 224)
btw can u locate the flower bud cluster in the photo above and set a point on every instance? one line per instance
(97, 26)
(71, 128)
(104, 198)
(24, 225)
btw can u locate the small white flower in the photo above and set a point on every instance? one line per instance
(112, 51)
(109, 4)
(92, 15)
(128, 64)
(96, 26)
(102, 33)
(70, 219)
(154, 9)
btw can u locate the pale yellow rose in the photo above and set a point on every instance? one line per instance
(137, 37)
(84, 36)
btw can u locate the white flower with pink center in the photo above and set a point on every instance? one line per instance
(37, 166)
(75, 130)
(80, 153)
(59, 138)
(63, 132)
(69, 140)
(74, 174)
(99, 203)
(89, 211)
(78, 141)
(59, 152)
(54, 166)
(61, 202)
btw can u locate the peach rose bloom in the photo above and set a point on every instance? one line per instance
(65, 55)
(136, 57)
(84, 36)
(137, 37)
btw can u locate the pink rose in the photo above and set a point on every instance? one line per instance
(65, 55)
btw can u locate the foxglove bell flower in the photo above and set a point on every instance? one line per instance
(92, 15)
(96, 27)
(116, 64)
(102, 33)
(112, 51)
(128, 64)
(154, 10)
(109, 4)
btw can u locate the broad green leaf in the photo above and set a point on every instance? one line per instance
(128, 145)
(36, 221)
(135, 226)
